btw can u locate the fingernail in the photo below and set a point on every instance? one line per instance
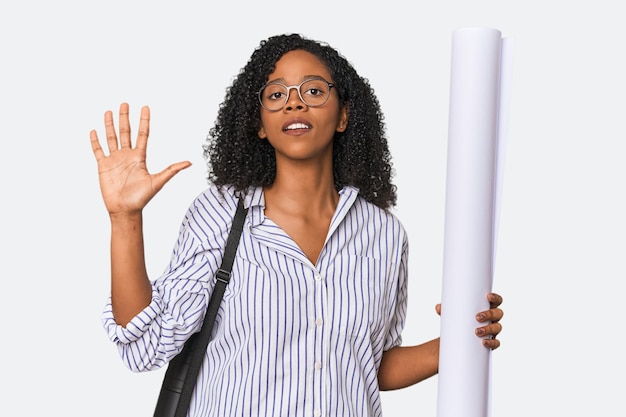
(480, 332)
(480, 316)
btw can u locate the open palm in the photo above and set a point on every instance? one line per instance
(125, 183)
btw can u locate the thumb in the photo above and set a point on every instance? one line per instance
(438, 309)
(168, 173)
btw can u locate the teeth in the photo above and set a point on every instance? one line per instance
(297, 126)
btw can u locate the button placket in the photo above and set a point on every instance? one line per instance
(320, 345)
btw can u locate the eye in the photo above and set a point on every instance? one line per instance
(275, 96)
(315, 88)
(274, 92)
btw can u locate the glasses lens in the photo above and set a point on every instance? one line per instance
(273, 96)
(315, 92)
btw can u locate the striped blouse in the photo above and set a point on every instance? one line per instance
(291, 338)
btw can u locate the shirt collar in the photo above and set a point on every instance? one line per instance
(255, 202)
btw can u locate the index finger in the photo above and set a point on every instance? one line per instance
(494, 299)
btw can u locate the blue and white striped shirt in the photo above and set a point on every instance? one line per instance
(291, 338)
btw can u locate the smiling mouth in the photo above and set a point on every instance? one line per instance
(296, 126)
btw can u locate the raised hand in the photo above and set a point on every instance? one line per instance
(125, 183)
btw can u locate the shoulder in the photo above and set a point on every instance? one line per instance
(371, 218)
(369, 231)
(377, 215)
(214, 201)
(387, 220)
(211, 212)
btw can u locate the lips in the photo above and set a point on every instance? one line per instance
(296, 124)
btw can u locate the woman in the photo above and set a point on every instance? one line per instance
(311, 321)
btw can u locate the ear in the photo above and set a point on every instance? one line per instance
(342, 124)
(262, 133)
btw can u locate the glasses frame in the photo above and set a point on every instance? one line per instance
(297, 88)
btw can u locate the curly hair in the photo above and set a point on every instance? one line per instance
(361, 157)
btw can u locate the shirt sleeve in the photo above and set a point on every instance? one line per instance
(398, 304)
(180, 295)
(136, 327)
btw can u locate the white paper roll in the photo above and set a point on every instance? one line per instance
(470, 219)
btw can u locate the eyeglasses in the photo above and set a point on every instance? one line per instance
(314, 93)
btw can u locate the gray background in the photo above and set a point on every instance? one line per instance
(562, 232)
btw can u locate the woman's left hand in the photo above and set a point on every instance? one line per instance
(492, 316)
(492, 319)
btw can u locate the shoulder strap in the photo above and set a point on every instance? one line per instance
(202, 338)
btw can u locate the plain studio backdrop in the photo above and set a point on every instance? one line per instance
(561, 248)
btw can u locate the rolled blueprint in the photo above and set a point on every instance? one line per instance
(477, 107)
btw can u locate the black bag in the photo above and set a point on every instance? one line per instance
(182, 371)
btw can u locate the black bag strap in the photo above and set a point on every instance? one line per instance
(183, 370)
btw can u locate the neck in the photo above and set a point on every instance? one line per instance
(303, 189)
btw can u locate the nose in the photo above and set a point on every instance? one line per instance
(293, 99)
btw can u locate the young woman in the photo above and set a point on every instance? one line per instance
(311, 321)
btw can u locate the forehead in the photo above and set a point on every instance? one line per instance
(296, 65)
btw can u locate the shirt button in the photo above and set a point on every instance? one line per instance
(318, 365)
(318, 277)
(319, 322)
(317, 413)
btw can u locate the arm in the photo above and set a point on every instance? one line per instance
(126, 187)
(131, 290)
(403, 366)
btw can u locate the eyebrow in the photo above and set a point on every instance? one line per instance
(304, 78)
